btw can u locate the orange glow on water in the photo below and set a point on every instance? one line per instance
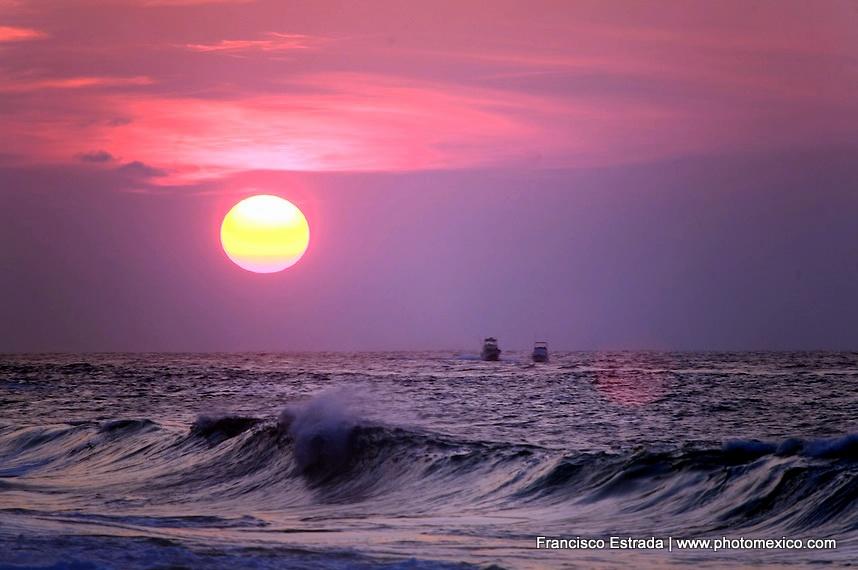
(265, 234)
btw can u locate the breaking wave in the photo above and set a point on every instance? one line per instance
(323, 451)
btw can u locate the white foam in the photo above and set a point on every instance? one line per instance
(321, 427)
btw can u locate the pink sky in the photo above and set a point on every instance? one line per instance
(600, 174)
(199, 90)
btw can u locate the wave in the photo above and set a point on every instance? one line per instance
(323, 451)
(114, 426)
(220, 428)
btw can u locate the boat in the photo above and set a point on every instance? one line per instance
(540, 351)
(490, 349)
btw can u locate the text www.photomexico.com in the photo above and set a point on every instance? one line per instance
(670, 543)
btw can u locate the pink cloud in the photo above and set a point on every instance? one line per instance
(185, 2)
(12, 85)
(372, 124)
(335, 122)
(273, 42)
(192, 2)
(13, 34)
(367, 122)
(588, 91)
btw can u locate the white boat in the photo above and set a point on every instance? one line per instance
(540, 351)
(490, 349)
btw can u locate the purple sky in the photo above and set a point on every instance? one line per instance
(600, 175)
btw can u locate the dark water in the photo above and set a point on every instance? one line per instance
(422, 460)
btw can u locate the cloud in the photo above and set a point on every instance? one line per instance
(12, 34)
(188, 2)
(325, 122)
(11, 85)
(157, 3)
(96, 156)
(577, 94)
(274, 42)
(340, 122)
(137, 169)
(371, 122)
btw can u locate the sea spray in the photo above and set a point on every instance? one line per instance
(322, 428)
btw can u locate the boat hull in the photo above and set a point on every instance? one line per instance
(490, 355)
(540, 352)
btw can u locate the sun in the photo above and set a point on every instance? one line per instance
(265, 234)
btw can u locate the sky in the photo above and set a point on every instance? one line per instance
(600, 175)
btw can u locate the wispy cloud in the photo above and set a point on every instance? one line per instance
(194, 2)
(186, 2)
(12, 85)
(141, 170)
(96, 156)
(376, 124)
(273, 42)
(231, 96)
(13, 34)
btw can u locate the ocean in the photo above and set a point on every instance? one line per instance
(427, 460)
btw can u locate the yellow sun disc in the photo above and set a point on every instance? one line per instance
(265, 234)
